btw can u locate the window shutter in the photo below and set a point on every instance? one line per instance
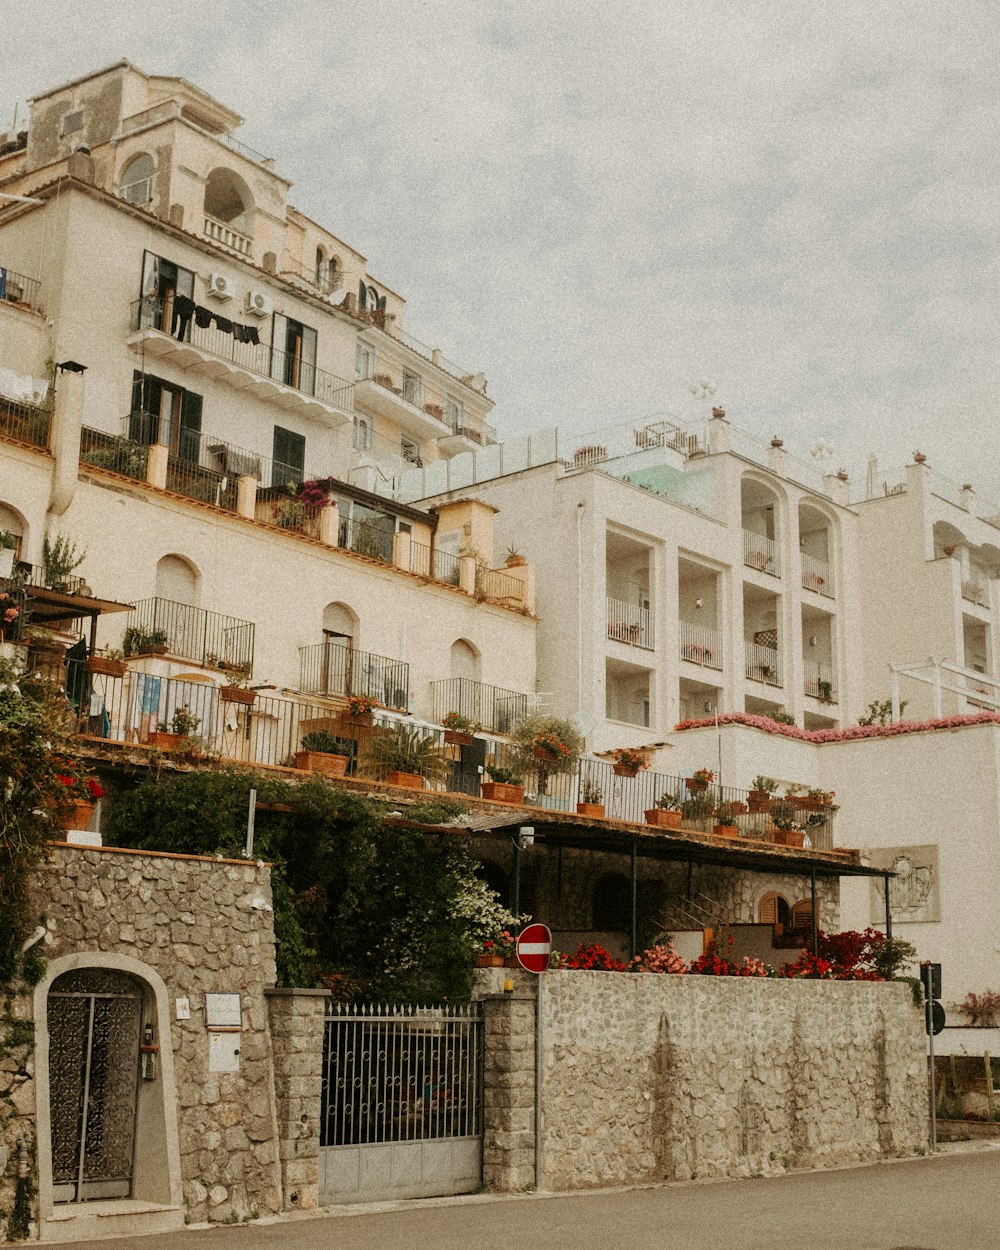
(147, 396)
(307, 367)
(289, 457)
(279, 344)
(190, 432)
(362, 295)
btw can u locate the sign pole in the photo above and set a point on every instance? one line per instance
(539, 1175)
(930, 1042)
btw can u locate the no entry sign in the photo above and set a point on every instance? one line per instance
(534, 946)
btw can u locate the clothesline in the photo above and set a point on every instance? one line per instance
(184, 308)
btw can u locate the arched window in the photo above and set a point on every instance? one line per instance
(773, 909)
(802, 916)
(322, 269)
(137, 180)
(228, 200)
(464, 660)
(177, 579)
(612, 903)
(11, 522)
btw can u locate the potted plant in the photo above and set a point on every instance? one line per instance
(700, 780)
(323, 753)
(628, 761)
(59, 558)
(590, 802)
(434, 410)
(814, 800)
(725, 822)
(237, 686)
(514, 559)
(409, 757)
(76, 806)
(549, 747)
(787, 832)
(359, 709)
(8, 545)
(141, 641)
(759, 797)
(504, 786)
(491, 955)
(666, 813)
(111, 663)
(172, 734)
(459, 730)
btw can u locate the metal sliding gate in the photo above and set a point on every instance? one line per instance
(95, 1018)
(402, 1102)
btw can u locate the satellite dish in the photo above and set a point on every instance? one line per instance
(338, 296)
(477, 381)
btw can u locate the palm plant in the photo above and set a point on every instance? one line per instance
(407, 750)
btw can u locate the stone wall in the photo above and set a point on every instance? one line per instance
(652, 1078)
(198, 924)
(508, 1082)
(17, 1099)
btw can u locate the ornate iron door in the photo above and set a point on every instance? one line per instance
(95, 1023)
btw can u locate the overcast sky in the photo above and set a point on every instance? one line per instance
(597, 204)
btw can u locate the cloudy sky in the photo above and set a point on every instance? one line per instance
(599, 204)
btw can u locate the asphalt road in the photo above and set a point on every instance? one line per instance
(949, 1202)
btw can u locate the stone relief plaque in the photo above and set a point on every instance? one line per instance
(913, 892)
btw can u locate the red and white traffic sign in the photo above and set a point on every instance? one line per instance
(534, 946)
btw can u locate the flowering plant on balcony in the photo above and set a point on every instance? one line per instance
(631, 759)
(458, 723)
(79, 788)
(705, 775)
(821, 796)
(360, 705)
(9, 610)
(550, 745)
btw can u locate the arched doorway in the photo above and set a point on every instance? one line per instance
(95, 1022)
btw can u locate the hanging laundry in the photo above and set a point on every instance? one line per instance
(224, 324)
(184, 306)
(3, 282)
(202, 316)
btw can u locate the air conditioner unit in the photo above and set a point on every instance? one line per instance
(259, 303)
(221, 287)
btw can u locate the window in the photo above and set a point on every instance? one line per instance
(366, 530)
(413, 388)
(73, 122)
(369, 299)
(773, 909)
(161, 281)
(288, 457)
(293, 354)
(410, 450)
(322, 270)
(364, 436)
(364, 362)
(453, 412)
(167, 414)
(137, 180)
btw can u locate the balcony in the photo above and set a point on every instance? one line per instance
(976, 592)
(381, 397)
(630, 624)
(496, 709)
(700, 646)
(335, 668)
(276, 377)
(438, 566)
(24, 423)
(817, 575)
(18, 288)
(192, 634)
(763, 664)
(820, 682)
(227, 237)
(464, 438)
(761, 553)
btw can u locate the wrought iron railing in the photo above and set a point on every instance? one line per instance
(761, 553)
(820, 682)
(160, 313)
(401, 1074)
(763, 664)
(113, 452)
(817, 575)
(440, 566)
(27, 423)
(630, 623)
(496, 709)
(335, 669)
(18, 288)
(191, 633)
(699, 645)
(499, 586)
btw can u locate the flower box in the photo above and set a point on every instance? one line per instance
(458, 739)
(409, 781)
(322, 762)
(503, 792)
(663, 818)
(726, 831)
(696, 785)
(362, 718)
(806, 804)
(590, 809)
(165, 741)
(794, 837)
(759, 801)
(76, 815)
(625, 770)
(489, 961)
(237, 694)
(110, 668)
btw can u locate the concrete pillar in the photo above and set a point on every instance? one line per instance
(467, 574)
(837, 488)
(156, 465)
(246, 495)
(777, 458)
(329, 524)
(296, 1019)
(718, 431)
(64, 439)
(508, 1081)
(402, 547)
(967, 497)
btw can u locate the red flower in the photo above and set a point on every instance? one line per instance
(95, 788)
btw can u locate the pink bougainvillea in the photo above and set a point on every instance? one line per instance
(850, 734)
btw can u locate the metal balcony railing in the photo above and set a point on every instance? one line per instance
(499, 586)
(630, 624)
(496, 709)
(191, 633)
(260, 358)
(699, 645)
(761, 553)
(440, 566)
(976, 592)
(817, 575)
(820, 682)
(18, 288)
(763, 664)
(27, 423)
(333, 668)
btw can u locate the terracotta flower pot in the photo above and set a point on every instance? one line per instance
(409, 781)
(726, 831)
(590, 809)
(164, 741)
(759, 801)
(625, 770)
(458, 739)
(663, 818)
(794, 837)
(362, 718)
(322, 762)
(502, 792)
(110, 668)
(237, 694)
(489, 961)
(542, 753)
(77, 815)
(696, 785)
(807, 804)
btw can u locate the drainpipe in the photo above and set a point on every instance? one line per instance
(579, 605)
(64, 440)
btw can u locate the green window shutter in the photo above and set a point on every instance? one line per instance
(288, 457)
(190, 431)
(279, 344)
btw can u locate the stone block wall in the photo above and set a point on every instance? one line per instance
(651, 1078)
(508, 1082)
(201, 925)
(17, 1101)
(297, 1019)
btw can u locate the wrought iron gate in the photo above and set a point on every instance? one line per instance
(94, 1023)
(402, 1102)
